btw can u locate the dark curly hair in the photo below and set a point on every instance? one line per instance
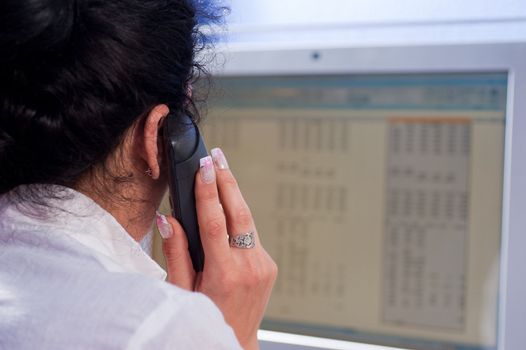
(76, 74)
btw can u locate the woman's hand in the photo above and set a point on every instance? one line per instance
(239, 281)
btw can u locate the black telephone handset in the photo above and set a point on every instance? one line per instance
(184, 148)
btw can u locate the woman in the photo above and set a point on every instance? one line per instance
(84, 88)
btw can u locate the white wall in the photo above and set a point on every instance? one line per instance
(360, 11)
(374, 22)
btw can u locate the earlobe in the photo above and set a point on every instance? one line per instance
(150, 138)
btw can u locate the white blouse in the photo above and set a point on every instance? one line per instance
(74, 279)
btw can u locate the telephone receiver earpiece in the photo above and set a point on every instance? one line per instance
(184, 147)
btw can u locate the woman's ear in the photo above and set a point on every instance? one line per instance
(149, 138)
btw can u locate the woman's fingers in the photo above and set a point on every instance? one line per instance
(242, 285)
(238, 215)
(175, 249)
(212, 222)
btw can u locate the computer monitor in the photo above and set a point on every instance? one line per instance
(389, 185)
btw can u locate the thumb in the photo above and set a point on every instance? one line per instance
(175, 250)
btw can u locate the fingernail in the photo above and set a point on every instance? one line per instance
(219, 158)
(164, 226)
(207, 170)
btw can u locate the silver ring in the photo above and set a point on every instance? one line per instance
(243, 240)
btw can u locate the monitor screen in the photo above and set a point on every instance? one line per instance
(378, 196)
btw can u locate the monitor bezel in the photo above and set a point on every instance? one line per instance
(457, 58)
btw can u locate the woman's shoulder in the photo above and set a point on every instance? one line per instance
(153, 314)
(62, 299)
(159, 315)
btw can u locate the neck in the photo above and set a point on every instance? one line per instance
(133, 206)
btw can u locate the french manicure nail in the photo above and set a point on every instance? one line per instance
(164, 226)
(219, 158)
(207, 170)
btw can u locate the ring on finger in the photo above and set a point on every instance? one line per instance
(243, 240)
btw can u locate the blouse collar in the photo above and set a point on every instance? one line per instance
(79, 217)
